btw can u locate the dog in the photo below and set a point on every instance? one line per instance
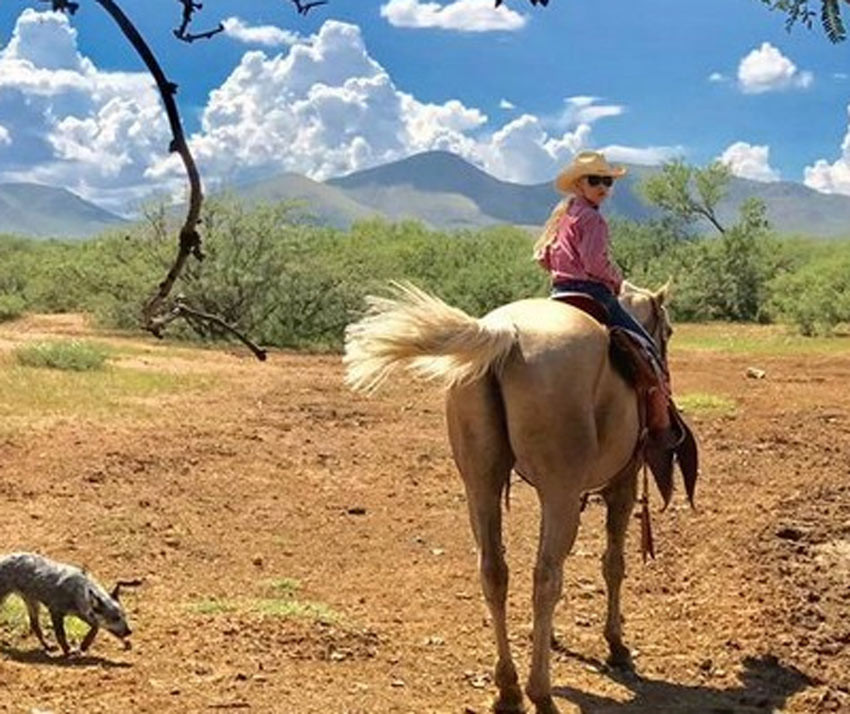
(64, 590)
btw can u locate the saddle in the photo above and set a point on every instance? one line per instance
(635, 361)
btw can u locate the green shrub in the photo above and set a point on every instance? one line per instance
(11, 307)
(78, 356)
(815, 298)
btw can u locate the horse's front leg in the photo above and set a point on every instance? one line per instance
(558, 527)
(620, 500)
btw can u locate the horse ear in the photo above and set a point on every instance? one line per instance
(663, 294)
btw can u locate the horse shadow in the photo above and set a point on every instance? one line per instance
(39, 656)
(765, 686)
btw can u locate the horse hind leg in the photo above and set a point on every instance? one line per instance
(558, 528)
(483, 456)
(620, 501)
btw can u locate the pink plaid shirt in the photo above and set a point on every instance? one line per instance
(580, 248)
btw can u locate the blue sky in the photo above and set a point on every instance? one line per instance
(360, 82)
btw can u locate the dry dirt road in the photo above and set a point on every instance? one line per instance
(303, 549)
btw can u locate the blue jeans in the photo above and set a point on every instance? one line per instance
(617, 315)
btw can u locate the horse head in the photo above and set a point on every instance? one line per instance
(650, 310)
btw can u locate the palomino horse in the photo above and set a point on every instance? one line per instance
(531, 387)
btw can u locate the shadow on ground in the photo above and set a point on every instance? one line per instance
(39, 656)
(765, 686)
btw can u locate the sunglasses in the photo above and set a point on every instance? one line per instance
(596, 180)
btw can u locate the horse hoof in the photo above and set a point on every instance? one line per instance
(509, 703)
(547, 706)
(620, 658)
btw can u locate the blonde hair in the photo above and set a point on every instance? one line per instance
(550, 229)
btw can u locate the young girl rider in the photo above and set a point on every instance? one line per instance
(574, 247)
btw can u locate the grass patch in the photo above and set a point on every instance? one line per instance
(70, 355)
(13, 616)
(753, 339)
(213, 607)
(29, 393)
(280, 602)
(704, 403)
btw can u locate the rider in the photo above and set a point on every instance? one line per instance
(574, 248)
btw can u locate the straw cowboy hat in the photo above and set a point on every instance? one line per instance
(586, 163)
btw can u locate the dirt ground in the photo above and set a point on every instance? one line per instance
(273, 485)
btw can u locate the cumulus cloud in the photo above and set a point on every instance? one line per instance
(831, 177)
(750, 161)
(524, 152)
(717, 77)
(327, 108)
(766, 69)
(266, 35)
(505, 104)
(459, 15)
(5, 136)
(322, 107)
(92, 132)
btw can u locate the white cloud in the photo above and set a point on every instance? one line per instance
(505, 104)
(267, 35)
(717, 77)
(524, 152)
(5, 136)
(584, 110)
(831, 177)
(323, 107)
(459, 15)
(74, 126)
(750, 161)
(840, 75)
(766, 69)
(647, 156)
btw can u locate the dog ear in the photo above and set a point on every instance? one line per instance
(116, 591)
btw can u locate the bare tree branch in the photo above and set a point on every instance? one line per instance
(190, 239)
(181, 33)
(181, 309)
(304, 7)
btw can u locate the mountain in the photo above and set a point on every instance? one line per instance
(436, 187)
(415, 186)
(327, 204)
(30, 209)
(439, 172)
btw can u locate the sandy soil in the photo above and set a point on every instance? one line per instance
(275, 486)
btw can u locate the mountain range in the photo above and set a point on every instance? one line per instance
(436, 187)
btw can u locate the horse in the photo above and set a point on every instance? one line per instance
(530, 387)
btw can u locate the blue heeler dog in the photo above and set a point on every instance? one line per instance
(63, 590)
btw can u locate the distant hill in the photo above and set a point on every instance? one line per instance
(30, 209)
(327, 204)
(791, 207)
(440, 172)
(436, 187)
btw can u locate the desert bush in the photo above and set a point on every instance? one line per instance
(816, 296)
(11, 306)
(74, 355)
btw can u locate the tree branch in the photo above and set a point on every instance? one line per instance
(181, 309)
(181, 32)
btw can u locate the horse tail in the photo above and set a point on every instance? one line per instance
(433, 339)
